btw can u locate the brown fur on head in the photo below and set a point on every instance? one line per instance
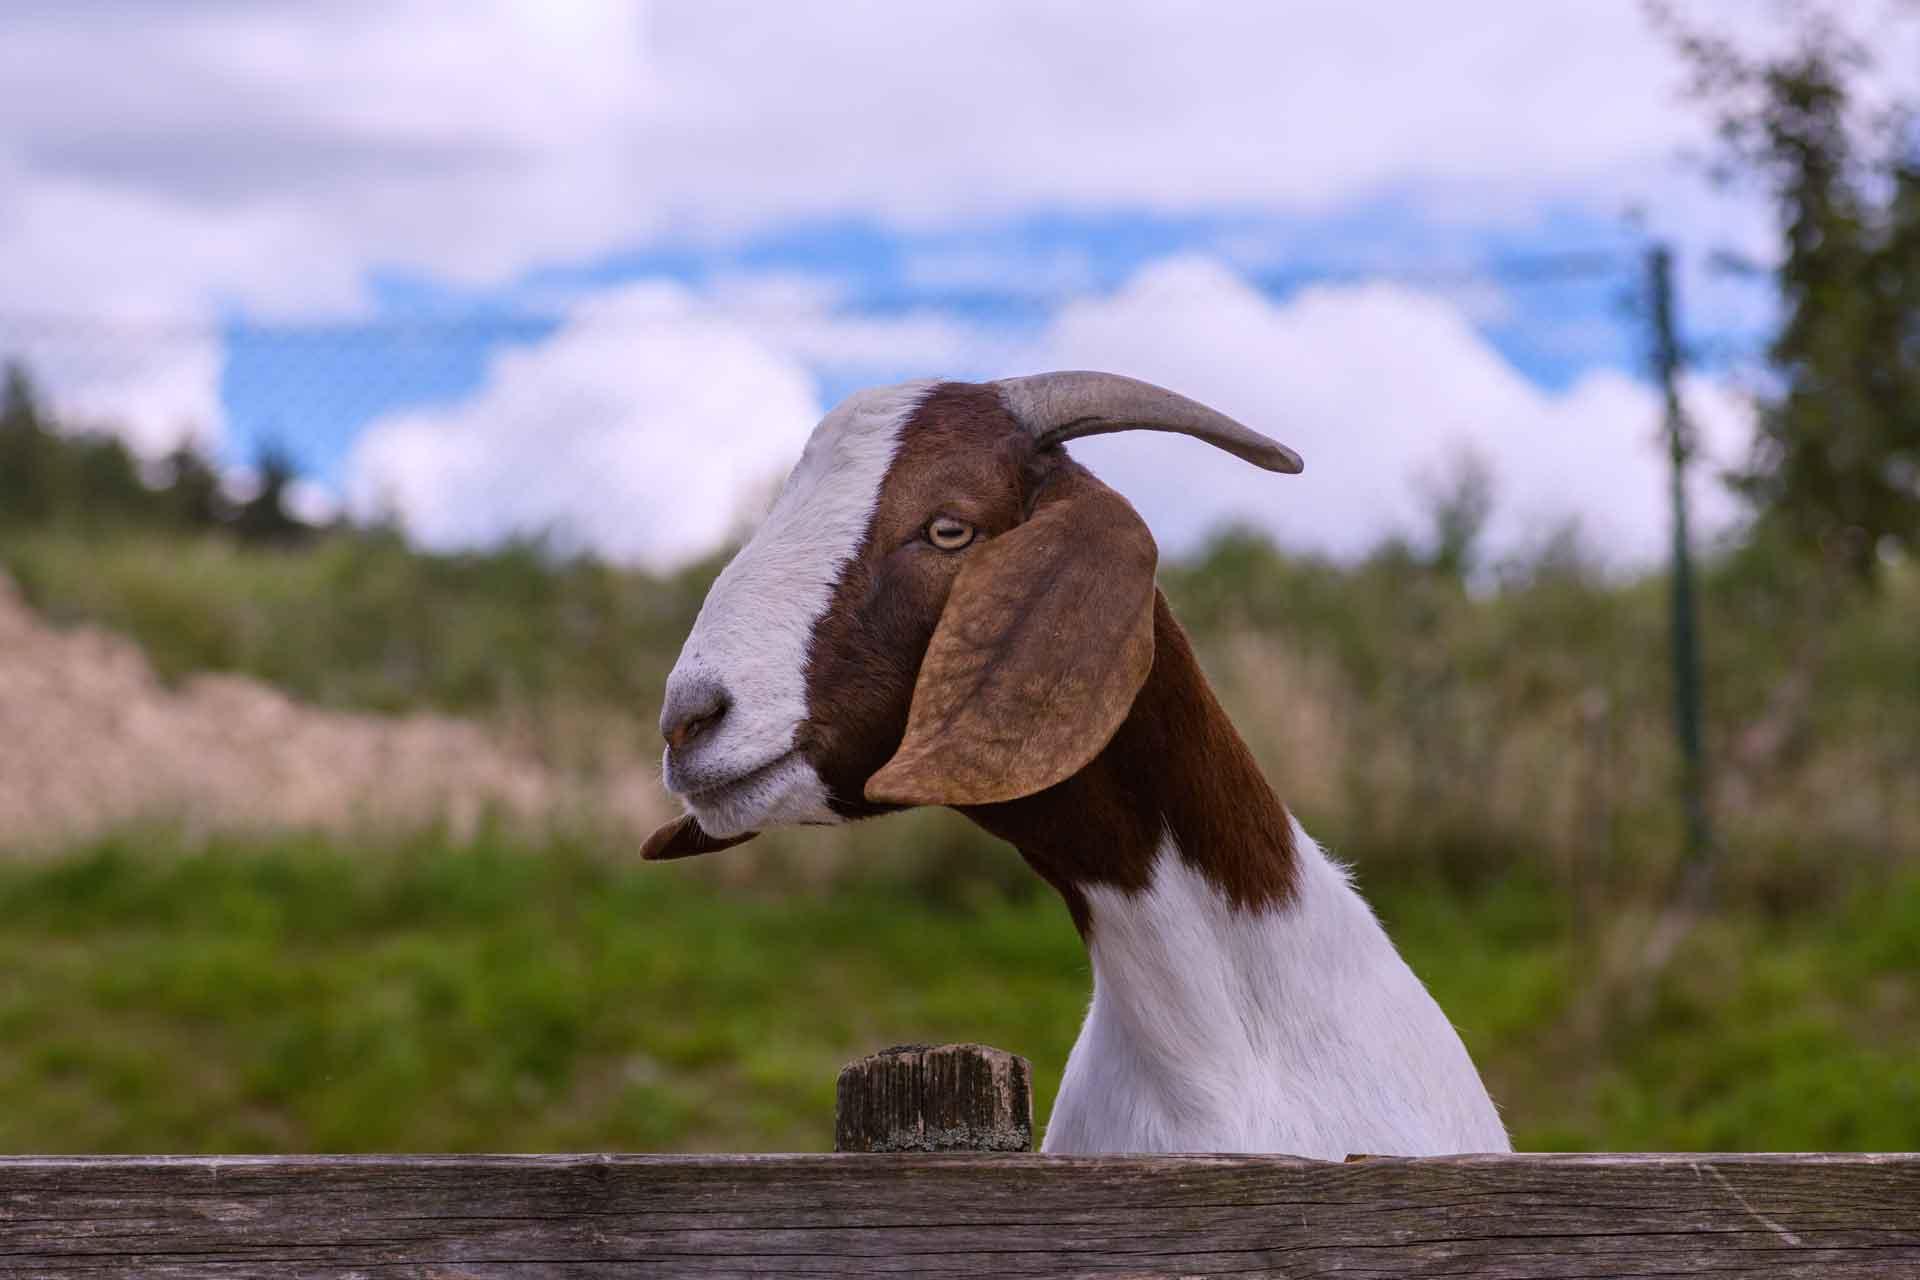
(992, 671)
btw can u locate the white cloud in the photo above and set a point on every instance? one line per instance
(646, 424)
(155, 387)
(1380, 388)
(804, 317)
(274, 153)
(311, 502)
(638, 429)
(649, 425)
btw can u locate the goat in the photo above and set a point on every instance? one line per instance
(943, 608)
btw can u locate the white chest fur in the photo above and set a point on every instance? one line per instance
(1297, 1030)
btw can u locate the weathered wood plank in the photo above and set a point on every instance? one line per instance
(961, 1214)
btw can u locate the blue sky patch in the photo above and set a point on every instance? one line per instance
(1556, 297)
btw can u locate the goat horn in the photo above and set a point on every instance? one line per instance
(1058, 407)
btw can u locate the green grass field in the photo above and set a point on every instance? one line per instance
(1498, 761)
(285, 995)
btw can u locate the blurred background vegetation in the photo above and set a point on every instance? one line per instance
(1490, 744)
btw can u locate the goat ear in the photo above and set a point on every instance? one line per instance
(1046, 639)
(682, 838)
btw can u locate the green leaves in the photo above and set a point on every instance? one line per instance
(1838, 456)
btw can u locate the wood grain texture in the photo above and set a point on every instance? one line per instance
(950, 1097)
(1000, 1215)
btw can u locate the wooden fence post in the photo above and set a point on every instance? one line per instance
(950, 1097)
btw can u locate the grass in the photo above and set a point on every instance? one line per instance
(365, 622)
(293, 997)
(288, 995)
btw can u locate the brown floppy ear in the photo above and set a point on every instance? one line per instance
(682, 838)
(1045, 641)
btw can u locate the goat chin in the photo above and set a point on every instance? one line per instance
(1295, 1029)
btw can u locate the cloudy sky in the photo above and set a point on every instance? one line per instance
(596, 268)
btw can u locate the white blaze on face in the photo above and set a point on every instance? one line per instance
(752, 637)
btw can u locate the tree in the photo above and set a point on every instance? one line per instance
(264, 517)
(99, 483)
(27, 450)
(1837, 458)
(191, 488)
(1459, 503)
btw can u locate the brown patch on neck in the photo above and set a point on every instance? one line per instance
(1176, 766)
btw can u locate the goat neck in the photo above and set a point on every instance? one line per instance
(1245, 997)
(1175, 773)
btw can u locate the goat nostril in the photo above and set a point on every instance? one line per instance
(699, 726)
(690, 722)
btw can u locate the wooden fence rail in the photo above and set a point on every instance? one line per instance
(960, 1213)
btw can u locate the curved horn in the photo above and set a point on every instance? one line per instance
(1058, 407)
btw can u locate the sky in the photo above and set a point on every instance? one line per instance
(594, 269)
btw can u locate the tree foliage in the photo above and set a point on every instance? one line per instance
(264, 517)
(54, 475)
(26, 452)
(50, 476)
(1837, 458)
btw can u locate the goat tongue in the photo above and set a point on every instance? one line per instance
(682, 838)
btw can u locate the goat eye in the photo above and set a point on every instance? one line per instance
(949, 534)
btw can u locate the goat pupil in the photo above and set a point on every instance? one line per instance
(949, 535)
